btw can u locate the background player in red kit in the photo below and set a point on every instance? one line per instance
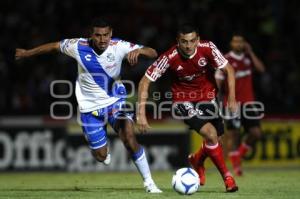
(243, 60)
(192, 64)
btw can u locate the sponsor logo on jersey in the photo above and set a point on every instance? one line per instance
(203, 44)
(202, 62)
(179, 68)
(88, 57)
(247, 61)
(111, 66)
(110, 57)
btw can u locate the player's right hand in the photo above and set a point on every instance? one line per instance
(142, 124)
(20, 53)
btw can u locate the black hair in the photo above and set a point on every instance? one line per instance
(100, 22)
(187, 28)
(238, 33)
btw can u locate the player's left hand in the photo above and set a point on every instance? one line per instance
(132, 56)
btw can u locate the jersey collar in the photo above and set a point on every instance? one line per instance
(237, 56)
(187, 57)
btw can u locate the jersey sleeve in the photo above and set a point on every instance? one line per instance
(158, 68)
(125, 47)
(69, 47)
(215, 56)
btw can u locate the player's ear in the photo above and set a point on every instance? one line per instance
(91, 31)
(111, 31)
(177, 39)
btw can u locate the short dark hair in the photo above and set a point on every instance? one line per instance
(186, 28)
(100, 22)
(238, 33)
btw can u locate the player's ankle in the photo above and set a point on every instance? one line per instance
(148, 181)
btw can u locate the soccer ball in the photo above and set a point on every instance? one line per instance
(185, 181)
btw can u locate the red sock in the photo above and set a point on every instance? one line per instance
(201, 154)
(215, 153)
(243, 149)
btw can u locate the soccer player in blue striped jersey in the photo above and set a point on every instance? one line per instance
(100, 96)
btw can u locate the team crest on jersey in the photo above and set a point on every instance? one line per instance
(202, 62)
(173, 54)
(110, 57)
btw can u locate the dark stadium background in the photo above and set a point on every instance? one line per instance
(271, 26)
(33, 145)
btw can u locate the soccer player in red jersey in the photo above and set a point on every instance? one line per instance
(192, 64)
(243, 60)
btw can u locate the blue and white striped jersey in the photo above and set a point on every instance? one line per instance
(96, 73)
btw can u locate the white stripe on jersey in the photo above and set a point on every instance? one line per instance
(243, 73)
(160, 68)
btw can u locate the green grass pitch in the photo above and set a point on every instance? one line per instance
(254, 184)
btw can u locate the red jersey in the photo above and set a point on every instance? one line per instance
(192, 78)
(242, 65)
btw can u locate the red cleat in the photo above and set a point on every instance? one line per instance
(198, 167)
(230, 184)
(235, 160)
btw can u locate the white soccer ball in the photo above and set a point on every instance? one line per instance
(186, 181)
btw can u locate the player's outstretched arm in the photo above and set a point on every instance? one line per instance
(42, 49)
(141, 118)
(148, 52)
(232, 105)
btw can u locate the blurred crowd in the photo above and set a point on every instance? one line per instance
(270, 26)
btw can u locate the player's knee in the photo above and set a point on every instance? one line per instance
(99, 155)
(210, 134)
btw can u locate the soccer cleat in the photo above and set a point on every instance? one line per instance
(230, 184)
(152, 188)
(107, 160)
(235, 160)
(198, 167)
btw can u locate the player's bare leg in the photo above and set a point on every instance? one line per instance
(102, 155)
(126, 133)
(233, 152)
(254, 134)
(215, 152)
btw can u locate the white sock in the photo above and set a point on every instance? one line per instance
(141, 163)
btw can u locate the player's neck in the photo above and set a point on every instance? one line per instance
(237, 54)
(186, 56)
